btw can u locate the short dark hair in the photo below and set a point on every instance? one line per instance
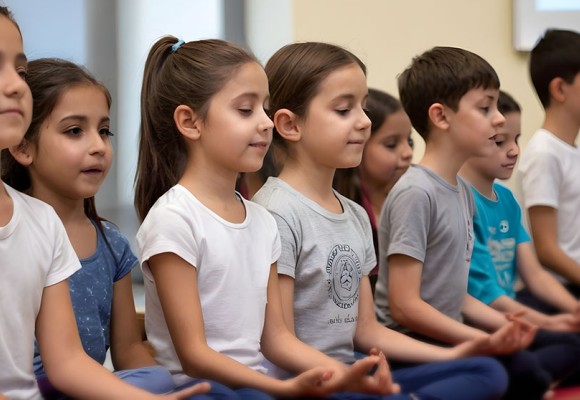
(441, 75)
(507, 104)
(557, 54)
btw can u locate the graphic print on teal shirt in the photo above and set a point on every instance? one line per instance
(498, 231)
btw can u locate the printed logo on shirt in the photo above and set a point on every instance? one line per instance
(504, 226)
(344, 275)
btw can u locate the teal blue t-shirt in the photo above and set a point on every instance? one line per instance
(498, 230)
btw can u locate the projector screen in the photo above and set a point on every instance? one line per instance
(532, 17)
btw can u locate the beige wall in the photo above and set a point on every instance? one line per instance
(386, 34)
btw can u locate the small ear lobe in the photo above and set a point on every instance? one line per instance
(286, 123)
(187, 122)
(437, 115)
(556, 89)
(22, 153)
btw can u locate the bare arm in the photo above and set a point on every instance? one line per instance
(67, 366)
(541, 283)
(127, 349)
(176, 283)
(411, 311)
(544, 226)
(353, 378)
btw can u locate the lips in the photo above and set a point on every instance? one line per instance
(260, 145)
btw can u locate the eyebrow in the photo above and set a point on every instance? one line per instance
(82, 118)
(249, 95)
(20, 57)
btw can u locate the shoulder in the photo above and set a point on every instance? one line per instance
(113, 233)
(278, 198)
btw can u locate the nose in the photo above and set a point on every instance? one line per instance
(15, 86)
(364, 121)
(407, 152)
(499, 119)
(514, 150)
(266, 123)
(98, 143)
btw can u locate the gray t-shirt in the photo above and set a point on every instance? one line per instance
(327, 254)
(430, 220)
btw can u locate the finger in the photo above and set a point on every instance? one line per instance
(363, 366)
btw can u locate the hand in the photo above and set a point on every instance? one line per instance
(356, 378)
(198, 388)
(566, 322)
(513, 336)
(313, 383)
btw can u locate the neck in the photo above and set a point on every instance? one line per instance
(313, 181)
(483, 184)
(561, 124)
(214, 187)
(70, 211)
(445, 161)
(377, 193)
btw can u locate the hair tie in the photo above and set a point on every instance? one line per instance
(177, 46)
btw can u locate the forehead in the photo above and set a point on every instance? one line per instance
(10, 38)
(480, 94)
(347, 81)
(249, 78)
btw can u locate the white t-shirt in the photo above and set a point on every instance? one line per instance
(233, 265)
(549, 175)
(34, 253)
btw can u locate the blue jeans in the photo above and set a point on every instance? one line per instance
(474, 378)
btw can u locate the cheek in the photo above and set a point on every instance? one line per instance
(379, 162)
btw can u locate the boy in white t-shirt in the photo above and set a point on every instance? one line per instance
(550, 163)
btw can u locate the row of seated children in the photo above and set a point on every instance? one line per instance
(201, 123)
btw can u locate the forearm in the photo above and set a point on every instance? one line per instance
(481, 315)
(79, 376)
(553, 258)
(420, 317)
(132, 355)
(294, 356)
(398, 346)
(551, 291)
(505, 304)
(204, 362)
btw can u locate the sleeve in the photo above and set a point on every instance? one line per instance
(407, 216)
(289, 248)
(482, 282)
(165, 230)
(540, 180)
(64, 262)
(124, 258)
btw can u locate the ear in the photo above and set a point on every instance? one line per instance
(556, 89)
(287, 125)
(438, 116)
(187, 122)
(22, 153)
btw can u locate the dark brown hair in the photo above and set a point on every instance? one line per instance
(557, 54)
(296, 71)
(380, 105)
(442, 75)
(189, 75)
(48, 79)
(507, 104)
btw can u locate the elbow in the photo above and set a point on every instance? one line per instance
(400, 311)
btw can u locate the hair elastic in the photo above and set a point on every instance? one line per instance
(177, 46)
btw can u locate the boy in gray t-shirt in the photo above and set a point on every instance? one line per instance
(425, 228)
(443, 244)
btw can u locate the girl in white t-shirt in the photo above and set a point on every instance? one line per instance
(37, 258)
(208, 256)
